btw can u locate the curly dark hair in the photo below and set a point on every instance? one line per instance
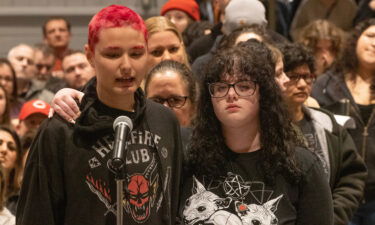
(278, 138)
(348, 63)
(296, 55)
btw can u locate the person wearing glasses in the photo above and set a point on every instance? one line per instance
(172, 84)
(243, 165)
(343, 167)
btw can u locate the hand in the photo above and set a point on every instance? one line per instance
(65, 104)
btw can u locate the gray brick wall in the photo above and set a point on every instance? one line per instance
(21, 20)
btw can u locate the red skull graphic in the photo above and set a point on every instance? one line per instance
(140, 193)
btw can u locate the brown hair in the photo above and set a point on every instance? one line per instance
(13, 182)
(5, 118)
(322, 30)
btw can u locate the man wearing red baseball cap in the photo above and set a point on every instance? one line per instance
(31, 116)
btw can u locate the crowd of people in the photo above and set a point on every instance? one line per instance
(244, 112)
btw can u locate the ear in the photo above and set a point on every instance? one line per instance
(223, 203)
(89, 55)
(197, 186)
(273, 203)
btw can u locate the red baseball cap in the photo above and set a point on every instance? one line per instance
(33, 107)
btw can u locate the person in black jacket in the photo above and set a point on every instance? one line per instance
(347, 89)
(333, 145)
(66, 178)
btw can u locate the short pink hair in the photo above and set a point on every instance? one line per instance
(114, 16)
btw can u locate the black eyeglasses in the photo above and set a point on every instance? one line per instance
(242, 88)
(295, 77)
(173, 102)
(40, 66)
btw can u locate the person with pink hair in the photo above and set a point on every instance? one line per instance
(69, 175)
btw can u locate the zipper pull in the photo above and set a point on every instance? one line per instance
(365, 131)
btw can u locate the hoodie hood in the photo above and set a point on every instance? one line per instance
(97, 119)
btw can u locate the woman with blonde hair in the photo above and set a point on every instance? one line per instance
(164, 42)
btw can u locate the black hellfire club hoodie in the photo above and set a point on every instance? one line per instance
(67, 180)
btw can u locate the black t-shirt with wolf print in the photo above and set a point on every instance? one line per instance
(243, 197)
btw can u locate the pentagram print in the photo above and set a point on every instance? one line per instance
(235, 187)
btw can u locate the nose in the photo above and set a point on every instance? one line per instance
(77, 71)
(3, 147)
(284, 77)
(125, 65)
(24, 62)
(166, 104)
(302, 83)
(172, 20)
(43, 70)
(166, 55)
(2, 82)
(232, 95)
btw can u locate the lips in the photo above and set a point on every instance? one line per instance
(126, 82)
(301, 94)
(232, 107)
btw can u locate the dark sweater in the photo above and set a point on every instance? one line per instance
(67, 180)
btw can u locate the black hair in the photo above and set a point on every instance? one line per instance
(278, 138)
(348, 62)
(195, 30)
(296, 55)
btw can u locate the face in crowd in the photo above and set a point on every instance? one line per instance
(7, 78)
(77, 70)
(179, 18)
(164, 42)
(118, 55)
(235, 100)
(298, 88)
(3, 103)
(22, 59)
(44, 65)
(8, 150)
(174, 90)
(324, 55)
(57, 33)
(365, 49)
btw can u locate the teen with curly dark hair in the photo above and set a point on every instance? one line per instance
(243, 165)
(348, 90)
